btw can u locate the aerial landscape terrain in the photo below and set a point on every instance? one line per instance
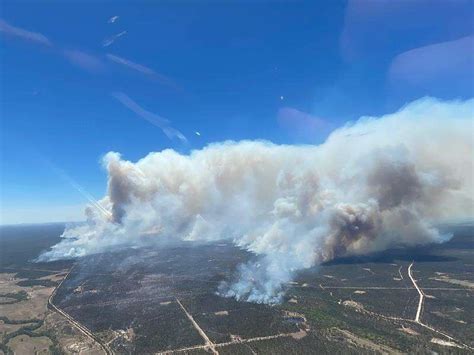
(235, 177)
(164, 301)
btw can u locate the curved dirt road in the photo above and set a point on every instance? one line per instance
(422, 296)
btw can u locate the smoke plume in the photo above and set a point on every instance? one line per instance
(373, 184)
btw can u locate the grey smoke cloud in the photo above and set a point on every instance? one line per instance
(294, 206)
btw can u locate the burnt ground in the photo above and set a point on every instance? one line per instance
(129, 299)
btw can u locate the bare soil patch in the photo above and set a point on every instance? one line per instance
(444, 342)
(447, 279)
(408, 330)
(360, 342)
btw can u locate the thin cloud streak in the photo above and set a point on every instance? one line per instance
(154, 119)
(301, 124)
(439, 62)
(143, 69)
(110, 40)
(77, 57)
(138, 67)
(84, 60)
(35, 37)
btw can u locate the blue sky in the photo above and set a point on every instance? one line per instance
(284, 71)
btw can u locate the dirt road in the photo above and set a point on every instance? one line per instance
(422, 296)
(79, 326)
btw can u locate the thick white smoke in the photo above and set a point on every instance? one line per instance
(373, 184)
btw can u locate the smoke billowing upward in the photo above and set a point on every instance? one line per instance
(373, 184)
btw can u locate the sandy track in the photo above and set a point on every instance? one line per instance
(209, 344)
(422, 296)
(219, 345)
(420, 308)
(400, 272)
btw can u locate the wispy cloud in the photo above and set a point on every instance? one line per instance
(110, 40)
(144, 70)
(154, 119)
(301, 124)
(128, 63)
(431, 65)
(173, 132)
(113, 19)
(26, 35)
(84, 60)
(77, 57)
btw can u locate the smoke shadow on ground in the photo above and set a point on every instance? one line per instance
(462, 238)
(392, 255)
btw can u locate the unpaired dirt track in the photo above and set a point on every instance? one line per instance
(83, 329)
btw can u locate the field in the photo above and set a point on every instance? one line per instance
(163, 300)
(27, 324)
